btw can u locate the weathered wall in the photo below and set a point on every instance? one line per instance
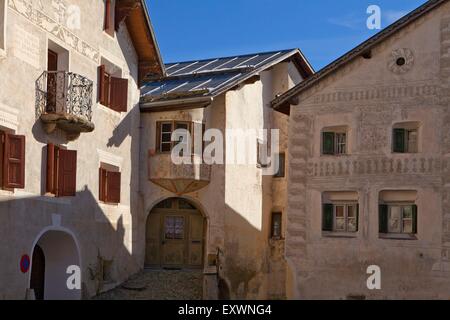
(370, 96)
(100, 229)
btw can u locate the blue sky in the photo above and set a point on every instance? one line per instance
(322, 29)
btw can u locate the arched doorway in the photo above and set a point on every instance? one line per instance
(175, 235)
(53, 253)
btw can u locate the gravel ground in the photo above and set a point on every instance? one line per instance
(159, 285)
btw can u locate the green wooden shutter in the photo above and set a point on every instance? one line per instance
(414, 218)
(399, 140)
(383, 218)
(328, 142)
(327, 218)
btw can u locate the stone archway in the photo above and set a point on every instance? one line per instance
(52, 254)
(175, 235)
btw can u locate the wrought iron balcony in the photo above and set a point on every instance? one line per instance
(64, 101)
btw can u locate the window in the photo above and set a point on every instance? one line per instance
(109, 23)
(398, 218)
(109, 184)
(174, 228)
(61, 171)
(276, 225)
(340, 217)
(282, 168)
(12, 161)
(405, 140)
(112, 90)
(334, 142)
(164, 130)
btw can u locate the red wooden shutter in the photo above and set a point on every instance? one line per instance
(113, 185)
(67, 173)
(107, 25)
(14, 162)
(119, 94)
(50, 183)
(102, 184)
(102, 85)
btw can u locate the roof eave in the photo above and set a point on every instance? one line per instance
(152, 33)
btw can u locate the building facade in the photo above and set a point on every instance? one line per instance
(226, 218)
(69, 124)
(369, 164)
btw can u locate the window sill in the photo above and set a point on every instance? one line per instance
(339, 235)
(397, 236)
(110, 36)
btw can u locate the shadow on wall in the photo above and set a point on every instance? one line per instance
(58, 233)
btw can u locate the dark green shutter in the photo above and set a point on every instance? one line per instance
(414, 218)
(357, 217)
(327, 219)
(399, 140)
(328, 142)
(383, 218)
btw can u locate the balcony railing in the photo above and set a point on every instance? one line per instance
(64, 98)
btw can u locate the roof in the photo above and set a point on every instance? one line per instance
(198, 82)
(282, 103)
(135, 14)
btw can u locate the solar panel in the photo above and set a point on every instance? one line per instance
(207, 74)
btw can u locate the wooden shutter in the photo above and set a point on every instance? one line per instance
(328, 143)
(107, 25)
(113, 182)
(327, 218)
(414, 219)
(14, 162)
(51, 169)
(67, 173)
(158, 137)
(383, 218)
(102, 85)
(102, 185)
(399, 140)
(119, 94)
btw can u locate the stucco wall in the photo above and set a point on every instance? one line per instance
(102, 230)
(370, 96)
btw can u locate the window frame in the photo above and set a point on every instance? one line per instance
(413, 219)
(274, 236)
(160, 133)
(109, 25)
(406, 129)
(346, 206)
(340, 148)
(330, 226)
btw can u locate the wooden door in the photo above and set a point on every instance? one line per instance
(195, 243)
(174, 240)
(37, 281)
(153, 241)
(52, 79)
